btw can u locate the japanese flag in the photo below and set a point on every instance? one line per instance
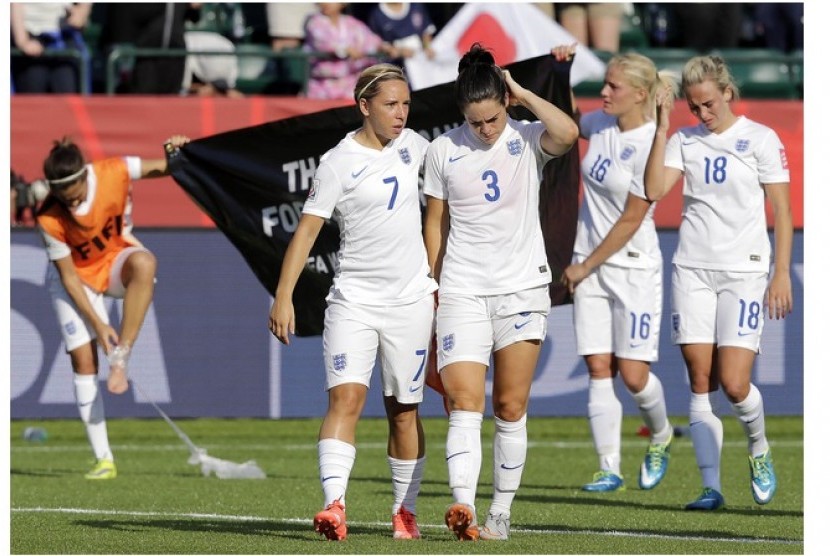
(513, 32)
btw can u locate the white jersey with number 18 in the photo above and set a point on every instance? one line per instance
(724, 224)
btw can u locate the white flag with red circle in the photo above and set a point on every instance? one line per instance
(512, 31)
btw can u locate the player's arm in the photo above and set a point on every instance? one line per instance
(281, 320)
(780, 292)
(564, 55)
(436, 227)
(107, 336)
(622, 231)
(561, 132)
(157, 167)
(659, 178)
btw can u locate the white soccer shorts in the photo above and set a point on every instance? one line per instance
(471, 327)
(718, 307)
(618, 310)
(75, 331)
(356, 335)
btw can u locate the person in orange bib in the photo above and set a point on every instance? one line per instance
(86, 228)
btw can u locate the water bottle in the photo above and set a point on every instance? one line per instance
(34, 434)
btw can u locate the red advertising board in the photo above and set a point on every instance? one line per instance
(137, 125)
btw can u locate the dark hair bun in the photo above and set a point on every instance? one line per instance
(476, 55)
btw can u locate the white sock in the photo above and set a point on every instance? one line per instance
(91, 407)
(706, 430)
(750, 413)
(336, 459)
(509, 456)
(605, 417)
(406, 482)
(652, 404)
(464, 455)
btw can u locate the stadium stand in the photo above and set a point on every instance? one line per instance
(759, 72)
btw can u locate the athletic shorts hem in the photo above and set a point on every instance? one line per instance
(636, 357)
(345, 380)
(754, 347)
(461, 359)
(409, 400)
(516, 340)
(681, 341)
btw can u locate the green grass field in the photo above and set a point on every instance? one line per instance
(159, 504)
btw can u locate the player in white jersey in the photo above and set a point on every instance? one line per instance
(720, 279)
(485, 245)
(381, 301)
(616, 274)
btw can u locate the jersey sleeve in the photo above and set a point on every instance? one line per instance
(772, 160)
(421, 145)
(56, 248)
(325, 191)
(533, 135)
(674, 158)
(638, 183)
(588, 124)
(434, 183)
(133, 167)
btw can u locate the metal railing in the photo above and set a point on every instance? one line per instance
(128, 52)
(76, 56)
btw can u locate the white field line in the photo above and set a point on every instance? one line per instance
(385, 525)
(566, 445)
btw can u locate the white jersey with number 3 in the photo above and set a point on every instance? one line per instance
(495, 243)
(724, 225)
(612, 168)
(373, 196)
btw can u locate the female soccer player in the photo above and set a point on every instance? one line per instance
(485, 242)
(381, 301)
(85, 226)
(721, 268)
(617, 271)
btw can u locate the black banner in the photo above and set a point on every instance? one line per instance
(252, 182)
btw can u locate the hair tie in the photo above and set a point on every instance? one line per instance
(68, 179)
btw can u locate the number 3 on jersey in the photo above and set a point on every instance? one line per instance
(491, 181)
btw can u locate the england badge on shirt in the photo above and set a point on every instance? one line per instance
(514, 147)
(405, 156)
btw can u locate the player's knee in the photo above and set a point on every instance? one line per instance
(510, 410)
(141, 266)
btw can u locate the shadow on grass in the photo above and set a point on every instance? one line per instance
(50, 473)
(602, 500)
(293, 530)
(718, 535)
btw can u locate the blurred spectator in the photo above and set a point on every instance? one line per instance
(348, 41)
(40, 27)
(407, 26)
(286, 23)
(25, 198)
(210, 75)
(704, 26)
(150, 25)
(224, 18)
(781, 26)
(595, 25)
